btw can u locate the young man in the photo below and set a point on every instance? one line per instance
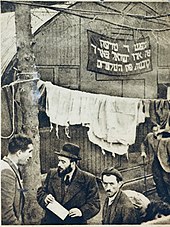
(12, 197)
(118, 209)
(72, 187)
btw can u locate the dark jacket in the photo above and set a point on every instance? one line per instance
(12, 197)
(152, 146)
(82, 193)
(121, 211)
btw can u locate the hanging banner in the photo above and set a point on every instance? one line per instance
(118, 57)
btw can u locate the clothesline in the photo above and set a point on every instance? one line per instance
(41, 82)
(108, 117)
(111, 120)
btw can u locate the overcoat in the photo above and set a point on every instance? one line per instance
(12, 197)
(82, 193)
(153, 146)
(121, 211)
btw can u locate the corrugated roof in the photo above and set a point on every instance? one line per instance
(8, 39)
(8, 32)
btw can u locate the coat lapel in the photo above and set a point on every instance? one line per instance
(6, 159)
(114, 206)
(105, 209)
(75, 186)
(57, 184)
(22, 197)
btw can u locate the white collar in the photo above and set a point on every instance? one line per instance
(70, 175)
(111, 199)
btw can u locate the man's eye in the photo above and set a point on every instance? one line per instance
(158, 216)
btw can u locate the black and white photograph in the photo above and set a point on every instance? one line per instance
(85, 112)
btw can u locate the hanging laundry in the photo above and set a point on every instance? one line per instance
(75, 107)
(111, 120)
(87, 106)
(146, 104)
(122, 126)
(98, 115)
(115, 119)
(58, 104)
(141, 115)
(114, 148)
(159, 111)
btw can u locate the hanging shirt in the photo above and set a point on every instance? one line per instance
(111, 120)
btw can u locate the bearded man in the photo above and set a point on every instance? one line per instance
(73, 188)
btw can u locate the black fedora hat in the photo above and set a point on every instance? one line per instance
(70, 150)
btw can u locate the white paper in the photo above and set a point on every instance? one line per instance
(58, 209)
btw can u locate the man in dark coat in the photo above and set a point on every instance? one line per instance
(72, 187)
(159, 147)
(117, 209)
(12, 193)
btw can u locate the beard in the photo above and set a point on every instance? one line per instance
(62, 173)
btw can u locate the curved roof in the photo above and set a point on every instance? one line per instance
(8, 39)
(39, 16)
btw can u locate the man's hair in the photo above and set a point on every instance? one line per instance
(156, 207)
(19, 142)
(73, 160)
(112, 171)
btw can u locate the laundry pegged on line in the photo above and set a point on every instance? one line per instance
(111, 120)
(58, 104)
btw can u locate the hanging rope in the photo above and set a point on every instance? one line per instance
(20, 81)
(13, 116)
(13, 102)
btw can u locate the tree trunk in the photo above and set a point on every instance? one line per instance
(29, 103)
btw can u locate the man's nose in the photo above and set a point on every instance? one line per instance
(108, 187)
(59, 164)
(30, 155)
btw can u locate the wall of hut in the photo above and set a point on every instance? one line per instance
(61, 52)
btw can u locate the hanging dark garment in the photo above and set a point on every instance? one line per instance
(159, 111)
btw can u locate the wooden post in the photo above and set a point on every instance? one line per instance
(29, 103)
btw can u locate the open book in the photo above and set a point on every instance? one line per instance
(58, 209)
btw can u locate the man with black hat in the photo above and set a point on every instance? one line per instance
(117, 209)
(72, 187)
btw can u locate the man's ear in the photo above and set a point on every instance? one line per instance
(18, 152)
(120, 183)
(72, 163)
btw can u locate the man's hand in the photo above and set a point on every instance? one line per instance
(75, 212)
(49, 198)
